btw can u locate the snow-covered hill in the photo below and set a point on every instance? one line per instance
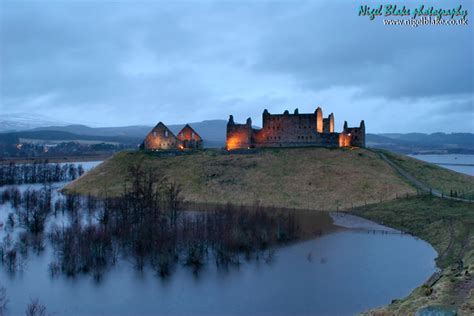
(24, 121)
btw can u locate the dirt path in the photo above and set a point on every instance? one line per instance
(417, 183)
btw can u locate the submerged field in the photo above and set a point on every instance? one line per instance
(301, 178)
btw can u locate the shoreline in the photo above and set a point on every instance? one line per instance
(19, 160)
(454, 246)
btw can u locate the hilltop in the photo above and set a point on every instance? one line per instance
(302, 178)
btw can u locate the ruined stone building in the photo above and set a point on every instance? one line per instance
(189, 138)
(162, 138)
(292, 130)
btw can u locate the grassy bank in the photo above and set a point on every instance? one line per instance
(435, 177)
(449, 227)
(302, 178)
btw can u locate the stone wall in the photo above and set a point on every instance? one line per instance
(160, 138)
(189, 139)
(356, 134)
(292, 130)
(239, 135)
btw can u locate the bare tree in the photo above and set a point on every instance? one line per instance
(3, 300)
(35, 308)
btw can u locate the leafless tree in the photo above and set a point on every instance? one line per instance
(3, 300)
(35, 308)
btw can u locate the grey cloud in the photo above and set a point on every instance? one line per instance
(122, 63)
(349, 50)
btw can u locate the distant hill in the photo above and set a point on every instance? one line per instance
(24, 121)
(435, 138)
(214, 132)
(128, 131)
(52, 135)
(211, 130)
(423, 143)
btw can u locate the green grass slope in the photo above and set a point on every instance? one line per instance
(434, 176)
(301, 178)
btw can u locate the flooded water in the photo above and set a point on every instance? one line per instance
(458, 163)
(352, 267)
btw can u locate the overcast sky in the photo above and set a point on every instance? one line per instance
(117, 63)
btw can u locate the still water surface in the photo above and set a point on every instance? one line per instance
(355, 266)
(458, 163)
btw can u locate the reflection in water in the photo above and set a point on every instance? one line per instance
(350, 272)
(347, 269)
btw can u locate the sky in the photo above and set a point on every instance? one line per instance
(106, 63)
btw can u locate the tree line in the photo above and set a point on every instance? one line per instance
(42, 172)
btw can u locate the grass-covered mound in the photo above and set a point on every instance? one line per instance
(303, 178)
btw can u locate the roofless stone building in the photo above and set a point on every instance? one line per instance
(162, 138)
(278, 130)
(293, 130)
(189, 138)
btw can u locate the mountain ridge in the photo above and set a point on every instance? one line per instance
(214, 134)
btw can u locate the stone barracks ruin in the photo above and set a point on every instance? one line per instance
(293, 130)
(279, 130)
(162, 138)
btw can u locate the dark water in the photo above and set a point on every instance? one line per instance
(349, 272)
(353, 268)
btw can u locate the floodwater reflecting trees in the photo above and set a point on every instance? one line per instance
(38, 172)
(145, 225)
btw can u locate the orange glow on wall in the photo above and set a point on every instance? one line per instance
(319, 120)
(233, 142)
(331, 123)
(187, 133)
(344, 140)
(238, 137)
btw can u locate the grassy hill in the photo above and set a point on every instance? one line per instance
(304, 178)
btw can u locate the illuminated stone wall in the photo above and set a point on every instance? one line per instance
(344, 140)
(356, 134)
(319, 120)
(160, 138)
(331, 123)
(290, 130)
(239, 135)
(189, 139)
